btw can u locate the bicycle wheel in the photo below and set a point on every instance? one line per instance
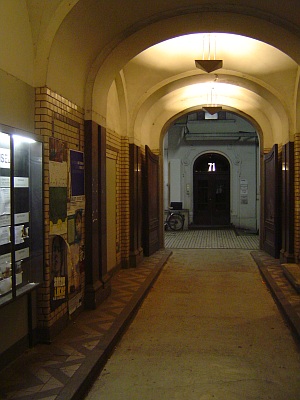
(175, 222)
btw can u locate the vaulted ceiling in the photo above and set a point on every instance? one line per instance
(131, 64)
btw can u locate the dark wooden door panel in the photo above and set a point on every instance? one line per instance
(221, 200)
(202, 204)
(287, 204)
(136, 205)
(211, 199)
(151, 203)
(271, 234)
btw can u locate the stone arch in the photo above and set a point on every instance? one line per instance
(238, 167)
(156, 120)
(106, 66)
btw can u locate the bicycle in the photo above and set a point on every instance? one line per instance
(174, 221)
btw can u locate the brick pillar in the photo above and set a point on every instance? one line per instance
(124, 203)
(297, 196)
(57, 117)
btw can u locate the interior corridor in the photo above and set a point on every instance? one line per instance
(110, 112)
(208, 329)
(66, 368)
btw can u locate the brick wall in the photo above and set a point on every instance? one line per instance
(113, 151)
(124, 202)
(297, 195)
(55, 117)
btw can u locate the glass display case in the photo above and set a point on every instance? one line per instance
(21, 214)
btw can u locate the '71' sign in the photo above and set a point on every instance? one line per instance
(211, 166)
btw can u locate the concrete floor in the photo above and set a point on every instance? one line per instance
(208, 329)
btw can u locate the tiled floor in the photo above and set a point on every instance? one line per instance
(285, 294)
(210, 239)
(64, 369)
(208, 329)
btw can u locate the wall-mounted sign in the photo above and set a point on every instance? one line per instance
(244, 191)
(4, 158)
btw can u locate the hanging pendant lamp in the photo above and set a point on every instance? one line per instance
(210, 64)
(212, 107)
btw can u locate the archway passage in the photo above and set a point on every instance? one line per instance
(211, 180)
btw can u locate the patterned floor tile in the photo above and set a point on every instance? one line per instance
(49, 368)
(282, 289)
(44, 371)
(210, 239)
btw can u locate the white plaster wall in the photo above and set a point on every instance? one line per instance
(243, 159)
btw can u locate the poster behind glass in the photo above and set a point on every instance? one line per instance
(21, 219)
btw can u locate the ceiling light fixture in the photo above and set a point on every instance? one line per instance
(212, 107)
(211, 63)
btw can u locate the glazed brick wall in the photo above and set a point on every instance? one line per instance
(297, 195)
(113, 151)
(124, 202)
(55, 117)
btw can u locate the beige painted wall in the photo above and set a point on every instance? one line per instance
(16, 103)
(17, 50)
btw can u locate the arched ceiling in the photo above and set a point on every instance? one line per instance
(256, 79)
(84, 48)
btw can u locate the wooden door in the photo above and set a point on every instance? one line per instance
(271, 233)
(151, 203)
(136, 205)
(211, 199)
(211, 190)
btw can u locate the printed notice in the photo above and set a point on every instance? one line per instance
(4, 235)
(19, 234)
(21, 218)
(21, 182)
(4, 201)
(4, 181)
(5, 220)
(5, 262)
(58, 174)
(21, 254)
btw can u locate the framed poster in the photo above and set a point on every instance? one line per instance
(58, 186)
(77, 173)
